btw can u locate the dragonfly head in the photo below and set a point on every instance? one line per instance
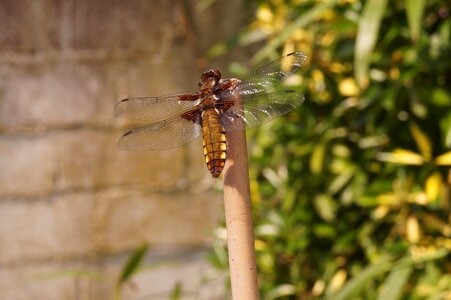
(210, 78)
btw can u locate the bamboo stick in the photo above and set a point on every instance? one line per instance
(238, 215)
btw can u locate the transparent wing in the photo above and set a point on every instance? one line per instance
(257, 109)
(161, 135)
(155, 109)
(271, 74)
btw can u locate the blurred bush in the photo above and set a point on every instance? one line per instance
(351, 192)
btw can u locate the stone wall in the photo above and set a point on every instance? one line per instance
(72, 206)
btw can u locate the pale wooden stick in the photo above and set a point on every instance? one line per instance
(240, 236)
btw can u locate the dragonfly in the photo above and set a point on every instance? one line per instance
(219, 107)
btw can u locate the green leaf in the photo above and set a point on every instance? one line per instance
(422, 141)
(325, 207)
(444, 159)
(401, 156)
(317, 158)
(415, 10)
(325, 231)
(441, 97)
(445, 125)
(280, 291)
(393, 285)
(340, 181)
(176, 292)
(367, 33)
(357, 283)
(132, 264)
(445, 32)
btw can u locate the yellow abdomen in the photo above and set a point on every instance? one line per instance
(214, 142)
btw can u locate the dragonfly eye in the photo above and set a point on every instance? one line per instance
(212, 73)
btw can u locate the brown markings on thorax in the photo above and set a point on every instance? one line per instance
(189, 97)
(210, 87)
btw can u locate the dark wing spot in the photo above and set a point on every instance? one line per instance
(128, 132)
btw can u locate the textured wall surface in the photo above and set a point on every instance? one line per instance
(72, 206)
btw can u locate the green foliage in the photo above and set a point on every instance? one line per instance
(351, 192)
(176, 293)
(130, 268)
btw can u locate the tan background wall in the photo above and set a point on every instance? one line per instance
(69, 199)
